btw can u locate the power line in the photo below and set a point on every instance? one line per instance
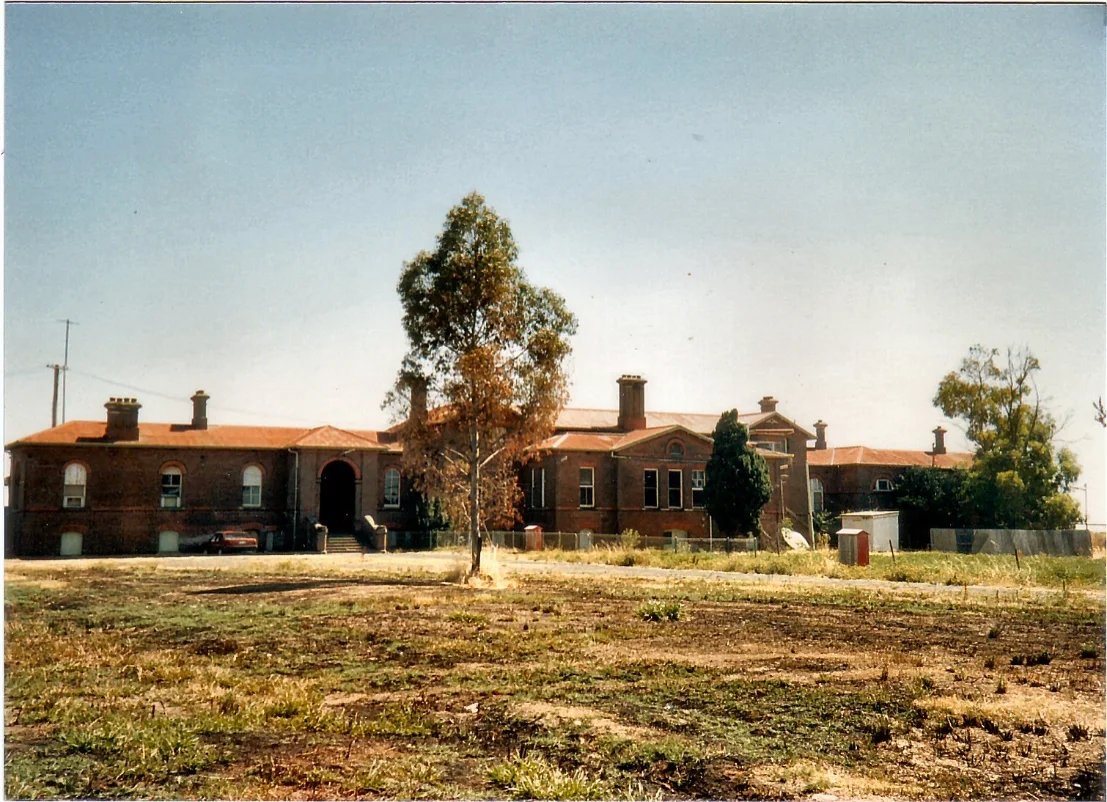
(184, 399)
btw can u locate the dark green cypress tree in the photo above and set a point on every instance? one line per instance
(737, 483)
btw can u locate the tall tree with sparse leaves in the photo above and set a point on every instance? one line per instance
(736, 482)
(489, 348)
(1019, 477)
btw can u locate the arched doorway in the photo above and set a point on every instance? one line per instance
(337, 487)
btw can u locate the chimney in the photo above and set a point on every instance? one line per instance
(122, 419)
(200, 410)
(768, 404)
(417, 386)
(632, 403)
(820, 435)
(939, 441)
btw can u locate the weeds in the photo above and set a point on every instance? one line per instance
(534, 777)
(655, 610)
(151, 685)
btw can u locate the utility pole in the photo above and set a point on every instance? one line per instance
(54, 408)
(65, 363)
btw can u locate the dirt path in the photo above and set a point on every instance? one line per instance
(507, 564)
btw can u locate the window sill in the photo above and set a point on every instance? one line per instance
(390, 506)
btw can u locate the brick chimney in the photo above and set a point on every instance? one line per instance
(417, 386)
(768, 404)
(200, 410)
(632, 403)
(939, 441)
(122, 419)
(820, 435)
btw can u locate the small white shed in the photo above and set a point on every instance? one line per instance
(882, 526)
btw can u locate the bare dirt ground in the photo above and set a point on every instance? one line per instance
(371, 678)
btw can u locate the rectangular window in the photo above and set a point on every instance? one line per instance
(74, 496)
(698, 480)
(537, 488)
(392, 488)
(650, 484)
(676, 496)
(171, 490)
(587, 481)
(251, 495)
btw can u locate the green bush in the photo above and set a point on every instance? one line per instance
(655, 610)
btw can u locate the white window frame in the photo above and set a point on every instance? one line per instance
(699, 482)
(679, 488)
(538, 488)
(818, 494)
(74, 493)
(251, 490)
(588, 488)
(395, 490)
(656, 489)
(878, 489)
(171, 501)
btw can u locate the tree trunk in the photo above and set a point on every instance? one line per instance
(474, 502)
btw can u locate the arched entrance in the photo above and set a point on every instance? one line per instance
(337, 485)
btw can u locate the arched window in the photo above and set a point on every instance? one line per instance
(392, 488)
(171, 486)
(816, 495)
(883, 485)
(676, 450)
(73, 495)
(251, 486)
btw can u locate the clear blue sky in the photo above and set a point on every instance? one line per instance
(825, 203)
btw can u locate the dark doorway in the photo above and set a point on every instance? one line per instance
(336, 497)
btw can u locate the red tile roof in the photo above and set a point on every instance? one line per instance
(175, 435)
(893, 458)
(597, 419)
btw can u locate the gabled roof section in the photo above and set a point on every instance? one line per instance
(647, 434)
(887, 457)
(333, 437)
(607, 420)
(773, 420)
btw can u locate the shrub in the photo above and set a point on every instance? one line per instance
(629, 539)
(655, 610)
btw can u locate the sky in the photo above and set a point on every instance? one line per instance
(825, 203)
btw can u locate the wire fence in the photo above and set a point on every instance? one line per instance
(566, 541)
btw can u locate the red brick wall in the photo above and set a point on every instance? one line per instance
(850, 487)
(122, 512)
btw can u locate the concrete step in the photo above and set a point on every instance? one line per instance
(343, 544)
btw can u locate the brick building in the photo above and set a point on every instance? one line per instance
(854, 478)
(607, 470)
(120, 486)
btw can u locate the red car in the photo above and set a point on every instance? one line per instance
(231, 540)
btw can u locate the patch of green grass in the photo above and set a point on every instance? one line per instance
(927, 567)
(534, 777)
(656, 610)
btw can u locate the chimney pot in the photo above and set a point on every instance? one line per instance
(939, 441)
(632, 402)
(200, 410)
(820, 435)
(122, 419)
(417, 386)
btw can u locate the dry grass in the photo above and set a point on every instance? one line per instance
(287, 682)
